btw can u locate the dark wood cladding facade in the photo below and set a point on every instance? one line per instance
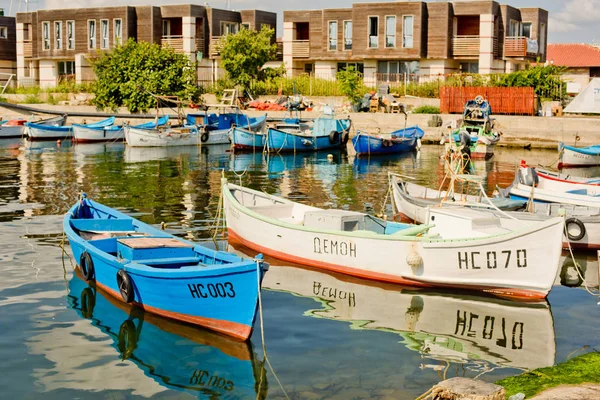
(143, 23)
(434, 26)
(8, 45)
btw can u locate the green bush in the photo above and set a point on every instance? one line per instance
(32, 99)
(426, 110)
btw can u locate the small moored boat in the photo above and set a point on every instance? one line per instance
(105, 131)
(47, 129)
(571, 156)
(163, 274)
(327, 132)
(10, 128)
(216, 128)
(244, 139)
(400, 141)
(455, 249)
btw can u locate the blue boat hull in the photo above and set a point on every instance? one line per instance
(242, 139)
(176, 356)
(399, 142)
(327, 133)
(216, 290)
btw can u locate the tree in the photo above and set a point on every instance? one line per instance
(244, 54)
(351, 84)
(131, 73)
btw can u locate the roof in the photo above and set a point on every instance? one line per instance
(573, 55)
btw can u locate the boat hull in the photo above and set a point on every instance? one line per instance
(11, 131)
(222, 297)
(280, 141)
(156, 138)
(524, 192)
(571, 157)
(82, 134)
(220, 136)
(366, 145)
(41, 133)
(242, 139)
(520, 264)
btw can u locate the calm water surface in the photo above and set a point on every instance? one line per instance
(327, 336)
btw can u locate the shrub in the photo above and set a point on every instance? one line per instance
(425, 109)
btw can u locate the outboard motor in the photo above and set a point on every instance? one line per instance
(528, 176)
(465, 141)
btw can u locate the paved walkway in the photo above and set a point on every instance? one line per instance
(587, 391)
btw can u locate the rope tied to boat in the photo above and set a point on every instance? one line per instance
(577, 266)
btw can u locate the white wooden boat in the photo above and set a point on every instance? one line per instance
(161, 137)
(571, 156)
(49, 129)
(582, 224)
(441, 326)
(525, 187)
(558, 182)
(12, 128)
(456, 249)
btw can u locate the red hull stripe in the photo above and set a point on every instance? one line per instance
(238, 331)
(551, 178)
(563, 165)
(505, 292)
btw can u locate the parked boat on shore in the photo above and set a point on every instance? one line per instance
(163, 274)
(571, 156)
(400, 141)
(522, 260)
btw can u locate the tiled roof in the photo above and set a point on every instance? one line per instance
(573, 55)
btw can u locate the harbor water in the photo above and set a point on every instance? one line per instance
(326, 336)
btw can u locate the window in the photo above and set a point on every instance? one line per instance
(343, 66)
(166, 28)
(91, 34)
(104, 33)
(244, 25)
(390, 31)
(333, 31)
(58, 35)
(407, 32)
(469, 67)
(229, 27)
(118, 30)
(373, 32)
(394, 71)
(46, 35)
(347, 35)
(66, 67)
(71, 35)
(309, 68)
(526, 29)
(3, 32)
(513, 28)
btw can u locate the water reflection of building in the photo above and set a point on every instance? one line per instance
(443, 327)
(114, 347)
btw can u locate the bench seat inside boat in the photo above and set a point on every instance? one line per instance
(103, 225)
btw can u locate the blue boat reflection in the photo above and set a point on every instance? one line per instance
(176, 356)
(279, 163)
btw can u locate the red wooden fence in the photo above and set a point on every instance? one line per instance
(503, 100)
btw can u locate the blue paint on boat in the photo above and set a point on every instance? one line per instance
(589, 150)
(400, 141)
(326, 133)
(243, 139)
(225, 121)
(176, 356)
(170, 276)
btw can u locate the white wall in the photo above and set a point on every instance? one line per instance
(48, 73)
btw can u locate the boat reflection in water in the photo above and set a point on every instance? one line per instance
(485, 332)
(176, 356)
(585, 274)
(146, 154)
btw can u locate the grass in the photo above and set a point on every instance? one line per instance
(582, 369)
(32, 99)
(426, 110)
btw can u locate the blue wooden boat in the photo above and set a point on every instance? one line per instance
(176, 356)
(243, 139)
(162, 274)
(326, 133)
(400, 141)
(38, 131)
(216, 128)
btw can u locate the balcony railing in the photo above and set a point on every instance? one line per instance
(463, 46)
(520, 46)
(175, 42)
(27, 49)
(215, 46)
(300, 49)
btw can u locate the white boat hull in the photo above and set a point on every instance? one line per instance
(160, 138)
(218, 137)
(447, 328)
(82, 134)
(570, 158)
(520, 263)
(35, 133)
(11, 131)
(521, 191)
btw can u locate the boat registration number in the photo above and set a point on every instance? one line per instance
(214, 290)
(492, 259)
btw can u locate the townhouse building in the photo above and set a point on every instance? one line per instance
(57, 45)
(8, 52)
(389, 41)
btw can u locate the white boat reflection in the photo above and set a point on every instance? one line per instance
(442, 326)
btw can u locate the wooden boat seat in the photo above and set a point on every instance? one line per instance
(175, 261)
(153, 243)
(103, 225)
(278, 211)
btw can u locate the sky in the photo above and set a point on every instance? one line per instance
(571, 21)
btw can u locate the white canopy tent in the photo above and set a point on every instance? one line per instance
(588, 101)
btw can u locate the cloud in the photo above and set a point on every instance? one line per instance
(575, 15)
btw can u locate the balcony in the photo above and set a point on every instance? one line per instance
(27, 49)
(214, 49)
(300, 49)
(174, 42)
(470, 46)
(520, 46)
(465, 46)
